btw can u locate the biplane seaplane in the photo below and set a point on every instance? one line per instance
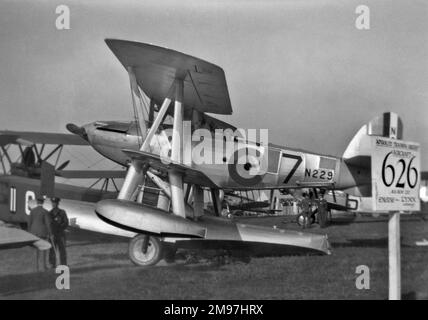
(174, 143)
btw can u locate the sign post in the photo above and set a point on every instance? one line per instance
(394, 256)
(395, 185)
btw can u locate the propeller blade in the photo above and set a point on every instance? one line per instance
(80, 131)
(62, 166)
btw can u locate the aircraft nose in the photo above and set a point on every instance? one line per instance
(80, 131)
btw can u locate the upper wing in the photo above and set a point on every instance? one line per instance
(190, 175)
(26, 137)
(156, 68)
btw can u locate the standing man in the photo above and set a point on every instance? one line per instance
(59, 224)
(40, 226)
(322, 210)
(306, 210)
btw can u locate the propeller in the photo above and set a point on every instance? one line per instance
(63, 165)
(80, 131)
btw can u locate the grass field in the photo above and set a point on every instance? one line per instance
(100, 268)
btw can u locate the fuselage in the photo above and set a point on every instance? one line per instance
(232, 163)
(16, 192)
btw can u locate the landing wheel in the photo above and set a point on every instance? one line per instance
(145, 250)
(301, 219)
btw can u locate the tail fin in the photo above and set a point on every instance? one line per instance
(387, 125)
(357, 156)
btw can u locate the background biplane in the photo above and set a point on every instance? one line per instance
(33, 175)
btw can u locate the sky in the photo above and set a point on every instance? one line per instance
(298, 68)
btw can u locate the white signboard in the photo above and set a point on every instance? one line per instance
(395, 175)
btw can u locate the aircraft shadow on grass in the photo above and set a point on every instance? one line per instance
(38, 281)
(82, 237)
(343, 222)
(203, 259)
(367, 219)
(107, 256)
(365, 243)
(24, 283)
(362, 243)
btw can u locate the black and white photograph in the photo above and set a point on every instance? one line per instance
(232, 152)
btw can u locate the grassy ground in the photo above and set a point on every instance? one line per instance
(100, 268)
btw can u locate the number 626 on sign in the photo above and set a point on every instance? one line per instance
(395, 175)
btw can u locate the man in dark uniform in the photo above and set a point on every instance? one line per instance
(40, 226)
(322, 210)
(59, 224)
(306, 210)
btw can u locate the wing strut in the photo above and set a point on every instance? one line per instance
(135, 174)
(133, 178)
(138, 112)
(198, 201)
(175, 178)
